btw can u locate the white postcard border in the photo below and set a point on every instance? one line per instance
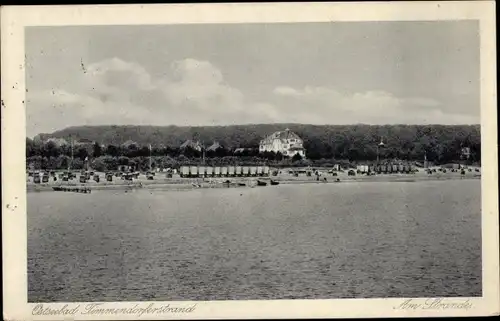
(14, 223)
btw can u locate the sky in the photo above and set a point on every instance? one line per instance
(225, 74)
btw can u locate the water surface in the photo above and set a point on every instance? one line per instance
(362, 240)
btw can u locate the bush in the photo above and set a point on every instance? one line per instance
(99, 165)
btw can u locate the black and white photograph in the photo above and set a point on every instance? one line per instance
(310, 160)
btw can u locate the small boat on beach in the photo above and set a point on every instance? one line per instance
(274, 182)
(261, 183)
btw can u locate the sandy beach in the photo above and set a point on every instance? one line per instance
(177, 183)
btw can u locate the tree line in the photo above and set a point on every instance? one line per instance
(324, 145)
(327, 139)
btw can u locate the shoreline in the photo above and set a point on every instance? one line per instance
(198, 183)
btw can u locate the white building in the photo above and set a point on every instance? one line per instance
(58, 141)
(286, 142)
(196, 145)
(214, 147)
(465, 152)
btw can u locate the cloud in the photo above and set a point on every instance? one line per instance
(194, 92)
(118, 73)
(201, 85)
(195, 71)
(60, 109)
(118, 92)
(322, 105)
(287, 91)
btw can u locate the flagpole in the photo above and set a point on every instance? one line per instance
(71, 163)
(150, 169)
(203, 149)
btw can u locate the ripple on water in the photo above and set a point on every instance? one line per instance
(363, 240)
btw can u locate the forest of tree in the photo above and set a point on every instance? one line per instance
(325, 144)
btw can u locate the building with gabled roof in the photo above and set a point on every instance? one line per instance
(129, 143)
(465, 153)
(240, 150)
(214, 146)
(58, 141)
(286, 142)
(196, 145)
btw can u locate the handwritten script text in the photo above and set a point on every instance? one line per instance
(434, 304)
(137, 309)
